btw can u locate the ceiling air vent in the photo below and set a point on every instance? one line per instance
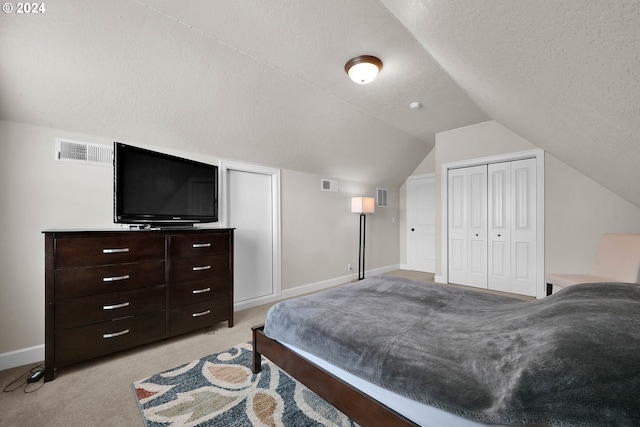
(328, 185)
(83, 152)
(382, 197)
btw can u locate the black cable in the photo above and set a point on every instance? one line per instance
(29, 387)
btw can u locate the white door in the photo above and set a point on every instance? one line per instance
(492, 226)
(468, 226)
(250, 212)
(514, 217)
(457, 212)
(421, 223)
(499, 233)
(477, 230)
(524, 227)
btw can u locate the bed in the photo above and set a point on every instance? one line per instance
(461, 357)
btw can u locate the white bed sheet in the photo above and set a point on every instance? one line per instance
(420, 413)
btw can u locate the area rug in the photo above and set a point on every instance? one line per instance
(221, 390)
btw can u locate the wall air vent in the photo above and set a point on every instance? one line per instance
(83, 152)
(328, 185)
(382, 197)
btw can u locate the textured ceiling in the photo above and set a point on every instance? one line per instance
(253, 81)
(563, 74)
(263, 81)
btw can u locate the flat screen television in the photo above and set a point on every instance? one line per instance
(157, 189)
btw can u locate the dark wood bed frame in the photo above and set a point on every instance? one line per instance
(358, 406)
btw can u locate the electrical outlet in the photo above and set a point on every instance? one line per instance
(349, 267)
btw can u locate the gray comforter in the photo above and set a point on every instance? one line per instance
(570, 359)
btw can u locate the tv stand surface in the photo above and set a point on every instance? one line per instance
(110, 290)
(161, 226)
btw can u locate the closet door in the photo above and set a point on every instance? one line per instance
(457, 211)
(512, 227)
(499, 233)
(524, 227)
(468, 226)
(492, 226)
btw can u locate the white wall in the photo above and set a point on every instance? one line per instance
(578, 211)
(319, 234)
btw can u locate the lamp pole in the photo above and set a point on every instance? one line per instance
(363, 230)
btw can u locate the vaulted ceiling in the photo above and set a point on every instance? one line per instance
(263, 81)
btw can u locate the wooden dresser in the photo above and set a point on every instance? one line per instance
(109, 290)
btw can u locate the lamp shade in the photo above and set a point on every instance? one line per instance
(363, 205)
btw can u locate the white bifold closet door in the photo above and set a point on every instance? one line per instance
(492, 226)
(468, 226)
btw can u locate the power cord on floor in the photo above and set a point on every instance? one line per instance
(29, 380)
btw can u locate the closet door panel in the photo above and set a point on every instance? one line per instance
(523, 251)
(477, 231)
(499, 233)
(467, 208)
(457, 211)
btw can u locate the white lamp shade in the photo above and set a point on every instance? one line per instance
(363, 204)
(363, 72)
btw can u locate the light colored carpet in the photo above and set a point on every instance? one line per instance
(98, 392)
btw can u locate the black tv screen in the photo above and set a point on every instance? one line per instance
(159, 189)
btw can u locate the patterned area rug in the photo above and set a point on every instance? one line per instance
(221, 390)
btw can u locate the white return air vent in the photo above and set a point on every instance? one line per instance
(382, 197)
(83, 152)
(328, 185)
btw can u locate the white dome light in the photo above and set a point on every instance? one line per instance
(363, 69)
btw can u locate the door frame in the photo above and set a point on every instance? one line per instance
(225, 167)
(537, 154)
(435, 209)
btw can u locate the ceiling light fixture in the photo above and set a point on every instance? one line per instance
(363, 69)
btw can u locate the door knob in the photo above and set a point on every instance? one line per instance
(498, 235)
(413, 229)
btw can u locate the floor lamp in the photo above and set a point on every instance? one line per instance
(363, 206)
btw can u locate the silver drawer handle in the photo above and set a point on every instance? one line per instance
(115, 334)
(201, 291)
(113, 307)
(115, 278)
(204, 267)
(202, 313)
(115, 251)
(201, 245)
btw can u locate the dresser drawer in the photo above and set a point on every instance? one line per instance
(192, 269)
(95, 340)
(80, 252)
(197, 245)
(193, 292)
(196, 316)
(74, 312)
(75, 282)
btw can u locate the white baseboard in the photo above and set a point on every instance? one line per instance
(25, 356)
(439, 279)
(404, 267)
(243, 305)
(310, 288)
(35, 354)
(318, 286)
